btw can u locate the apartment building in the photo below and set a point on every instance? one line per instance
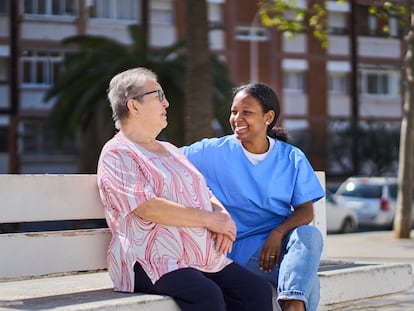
(43, 24)
(314, 84)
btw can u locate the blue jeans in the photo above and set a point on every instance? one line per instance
(296, 277)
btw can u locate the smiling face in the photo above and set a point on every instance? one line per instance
(247, 119)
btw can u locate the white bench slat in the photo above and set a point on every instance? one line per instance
(49, 197)
(43, 253)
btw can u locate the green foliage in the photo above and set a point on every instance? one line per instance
(318, 22)
(384, 9)
(287, 17)
(378, 146)
(81, 107)
(222, 88)
(80, 92)
(284, 15)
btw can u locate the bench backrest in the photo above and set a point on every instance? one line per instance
(34, 198)
(31, 198)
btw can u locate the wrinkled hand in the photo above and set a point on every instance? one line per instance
(223, 244)
(270, 255)
(222, 223)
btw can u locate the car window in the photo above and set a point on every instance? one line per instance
(393, 190)
(329, 197)
(352, 189)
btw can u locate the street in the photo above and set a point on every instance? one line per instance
(374, 246)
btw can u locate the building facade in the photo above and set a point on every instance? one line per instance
(319, 89)
(316, 86)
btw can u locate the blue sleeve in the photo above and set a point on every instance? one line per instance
(307, 185)
(195, 154)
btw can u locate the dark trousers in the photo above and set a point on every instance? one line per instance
(233, 288)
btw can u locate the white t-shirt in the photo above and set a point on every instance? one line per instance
(256, 158)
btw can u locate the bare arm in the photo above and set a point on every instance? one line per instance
(271, 249)
(302, 215)
(224, 244)
(217, 205)
(170, 213)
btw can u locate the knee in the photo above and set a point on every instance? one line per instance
(309, 236)
(211, 297)
(258, 297)
(262, 288)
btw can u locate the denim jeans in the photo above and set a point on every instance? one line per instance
(296, 276)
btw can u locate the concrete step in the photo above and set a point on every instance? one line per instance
(348, 281)
(79, 292)
(340, 282)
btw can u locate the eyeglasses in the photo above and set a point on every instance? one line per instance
(161, 95)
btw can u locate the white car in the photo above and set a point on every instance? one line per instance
(372, 198)
(339, 219)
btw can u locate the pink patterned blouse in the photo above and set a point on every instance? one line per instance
(129, 175)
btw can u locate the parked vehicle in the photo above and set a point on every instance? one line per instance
(373, 199)
(339, 219)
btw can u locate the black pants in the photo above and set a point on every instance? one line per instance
(233, 288)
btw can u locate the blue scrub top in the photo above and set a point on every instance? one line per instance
(258, 197)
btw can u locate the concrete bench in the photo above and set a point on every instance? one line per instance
(61, 261)
(58, 268)
(26, 199)
(66, 269)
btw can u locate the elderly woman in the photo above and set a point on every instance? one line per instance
(170, 235)
(268, 187)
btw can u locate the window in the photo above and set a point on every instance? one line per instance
(4, 7)
(375, 83)
(352, 189)
(39, 138)
(252, 34)
(162, 12)
(41, 68)
(394, 25)
(3, 139)
(337, 23)
(3, 70)
(338, 83)
(294, 81)
(374, 25)
(50, 7)
(115, 9)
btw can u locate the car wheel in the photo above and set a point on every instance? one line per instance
(390, 226)
(348, 226)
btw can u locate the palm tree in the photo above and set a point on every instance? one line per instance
(81, 107)
(199, 111)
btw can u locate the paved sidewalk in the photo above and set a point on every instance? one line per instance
(372, 258)
(374, 246)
